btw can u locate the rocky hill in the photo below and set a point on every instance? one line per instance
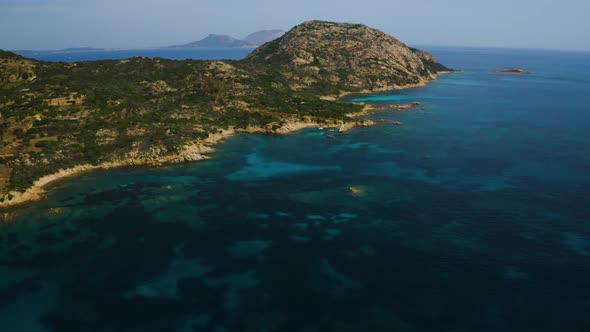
(14, 70)
(57, 119)
(350, 56)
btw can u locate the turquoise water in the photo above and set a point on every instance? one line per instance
(471, 216)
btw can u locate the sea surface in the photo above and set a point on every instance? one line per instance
(473, 215)
(174, 54)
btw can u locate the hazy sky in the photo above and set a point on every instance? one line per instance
(51, 24)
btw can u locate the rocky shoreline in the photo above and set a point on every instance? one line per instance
(199, 150)
(190, 98)
(192, 151)
(391, 87)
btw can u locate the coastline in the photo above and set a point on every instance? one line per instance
(391, 87)
(194, 151)
(191, 152)
(199, 150)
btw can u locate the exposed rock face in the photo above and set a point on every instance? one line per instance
(158, 87)
(15, 69)
(351, 56)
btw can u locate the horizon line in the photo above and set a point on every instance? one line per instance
(421, 45)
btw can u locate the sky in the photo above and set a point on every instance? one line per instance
(56, 24)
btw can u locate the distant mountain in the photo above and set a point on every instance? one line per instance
(217, 41)
(223, 41)
(212, 41)
(263, 36)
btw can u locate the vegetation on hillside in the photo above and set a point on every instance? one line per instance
(58, 115)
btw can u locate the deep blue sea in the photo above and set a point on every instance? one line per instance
(174, 54)
(473, 215)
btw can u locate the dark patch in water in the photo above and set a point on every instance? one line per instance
(471, 217)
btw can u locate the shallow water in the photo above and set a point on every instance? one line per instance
(471, 216)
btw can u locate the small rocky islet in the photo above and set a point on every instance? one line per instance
(512, 71)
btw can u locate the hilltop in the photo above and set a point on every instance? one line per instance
(349, 56)
(58, 119)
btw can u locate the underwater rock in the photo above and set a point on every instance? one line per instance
(356, 191)
(7, 216)
(55, 211)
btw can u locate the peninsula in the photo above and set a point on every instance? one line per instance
(60, 119)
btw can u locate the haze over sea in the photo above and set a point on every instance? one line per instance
(173, 54)
(472, 216)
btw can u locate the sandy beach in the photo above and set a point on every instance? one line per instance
(199, 150)
(192, 151)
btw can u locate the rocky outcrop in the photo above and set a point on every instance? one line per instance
(15, 69)
(512, 71)
(350, 56)
(190, 152)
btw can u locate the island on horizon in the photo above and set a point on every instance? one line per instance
(60, 119)
(212, 41)
(512, 71)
